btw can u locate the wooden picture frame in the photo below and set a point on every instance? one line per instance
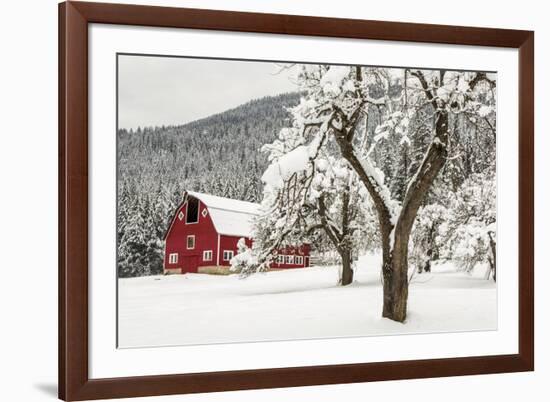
(74, 381)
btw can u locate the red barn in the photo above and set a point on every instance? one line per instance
(205, 229)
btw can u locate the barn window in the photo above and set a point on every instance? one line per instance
(227, 255)
(299, 260)
(192, 210)
(173, 258)
(290, 259)
(180, 215)
(190, 242)
(204, 212)
(207, 255)
(280, 259)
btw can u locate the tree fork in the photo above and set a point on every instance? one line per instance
(395, 259)
(396, 290)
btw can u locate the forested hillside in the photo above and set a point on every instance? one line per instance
(218, 155)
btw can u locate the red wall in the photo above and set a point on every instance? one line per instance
(294, 251)
(230, 243)
(206, 238)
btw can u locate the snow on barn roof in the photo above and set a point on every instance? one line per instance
(230, 217)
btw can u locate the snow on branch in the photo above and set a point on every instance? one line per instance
(297, 160)
(382, 189)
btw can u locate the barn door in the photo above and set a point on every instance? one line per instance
(190, 264)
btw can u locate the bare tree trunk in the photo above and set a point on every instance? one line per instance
(428, 265)
(347, 271)
(396, 285)
(493, 258)
(340, 238)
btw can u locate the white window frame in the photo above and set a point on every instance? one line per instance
(289, 259)
(299, 260)
(280, 259)
(230, 253)
(207, 255)
(181, 215)
(187, 242)
(204, 212)
(173, 258)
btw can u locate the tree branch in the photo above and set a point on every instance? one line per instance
(482, 77)
(425, 86)
(418, 187)
(334, 237)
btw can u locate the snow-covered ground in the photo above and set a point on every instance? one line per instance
(296, 304)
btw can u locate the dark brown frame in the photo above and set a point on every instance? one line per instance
(74, 383)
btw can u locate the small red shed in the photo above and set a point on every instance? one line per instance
(205, 229)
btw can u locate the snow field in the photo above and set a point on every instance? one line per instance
(296, 304)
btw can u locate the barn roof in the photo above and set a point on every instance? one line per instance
(230, 217)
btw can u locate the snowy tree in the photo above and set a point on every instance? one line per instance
(243, 259)
(132, 251)
(306, 191)
(338, 209)
(285, 206)
(340, 98)
(424, 243)
(469, 230)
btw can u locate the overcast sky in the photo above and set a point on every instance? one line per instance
(166, 90)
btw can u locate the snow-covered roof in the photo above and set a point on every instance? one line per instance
(230, 217)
